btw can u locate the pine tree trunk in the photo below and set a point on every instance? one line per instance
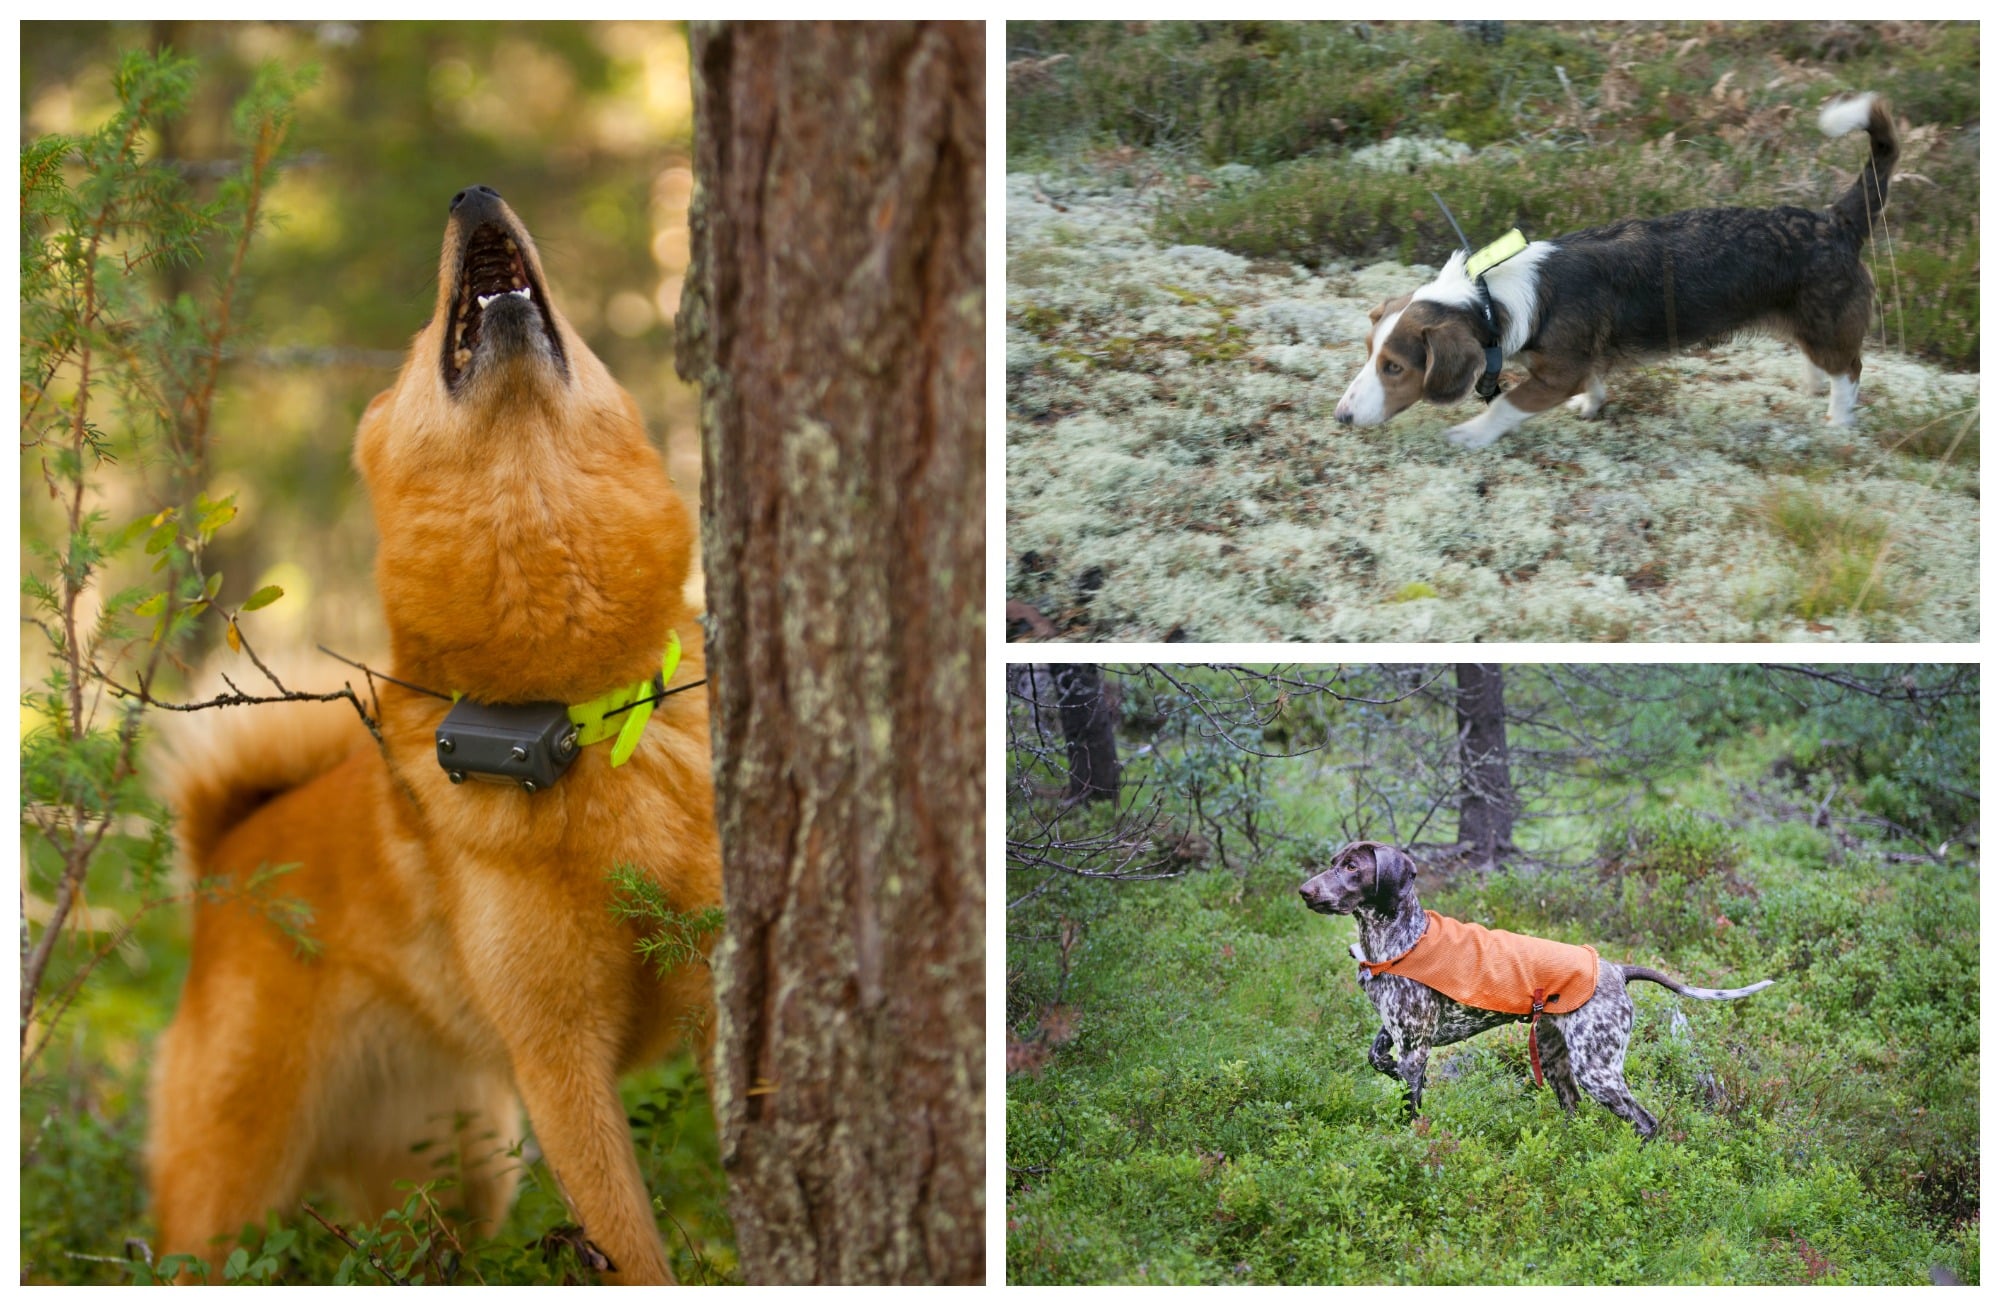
(834, 319)
(1486, 804)
(1088, 732)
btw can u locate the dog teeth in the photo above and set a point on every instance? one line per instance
(462, 357)
(522, 293)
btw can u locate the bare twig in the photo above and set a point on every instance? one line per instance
(1894, 684)
(374, 1261)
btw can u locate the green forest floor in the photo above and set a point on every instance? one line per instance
(1206, 1113)
(83, 1198)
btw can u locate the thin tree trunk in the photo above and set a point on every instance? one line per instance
(1088, 731)
(1486, 806)
(835, 320)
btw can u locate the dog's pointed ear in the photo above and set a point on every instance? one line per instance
(1453, 361)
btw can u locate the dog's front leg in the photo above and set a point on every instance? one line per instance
(581, 1125)
(1537, 394)
(1591, 402)
(1405, 1063)
(553, 972)
(1382, 1054)
(1410, 1069)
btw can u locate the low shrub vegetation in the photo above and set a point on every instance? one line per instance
(1205, 1112)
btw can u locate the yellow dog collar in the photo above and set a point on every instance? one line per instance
(1495, 254)
(595, 720)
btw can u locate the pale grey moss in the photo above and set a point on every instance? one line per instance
(1407, 154)
(1170, 433)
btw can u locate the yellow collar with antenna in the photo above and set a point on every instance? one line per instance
(1478, 265)
(635, 702)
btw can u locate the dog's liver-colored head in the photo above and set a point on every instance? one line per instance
(1363, 874)
(532, 547)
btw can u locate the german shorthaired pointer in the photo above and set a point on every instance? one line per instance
(1583, 1048)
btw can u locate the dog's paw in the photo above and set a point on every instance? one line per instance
(1471, 435)
(1585, 406)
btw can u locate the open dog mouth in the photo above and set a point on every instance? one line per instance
(493, 277)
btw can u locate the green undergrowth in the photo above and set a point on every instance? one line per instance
(1838, 554)
(1208, 1115)
(84, 1215)
(84, 1218)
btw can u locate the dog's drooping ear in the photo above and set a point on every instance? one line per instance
(1393, 871)
(1453, 361)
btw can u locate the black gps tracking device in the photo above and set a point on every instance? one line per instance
(528, 744)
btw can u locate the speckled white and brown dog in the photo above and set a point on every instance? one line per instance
(1573, 307)
(1435, 980)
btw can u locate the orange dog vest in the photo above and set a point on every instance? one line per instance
(1496, 970)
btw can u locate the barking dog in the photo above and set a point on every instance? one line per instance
(468, 960)
(1580, 1011)
(1574, 307)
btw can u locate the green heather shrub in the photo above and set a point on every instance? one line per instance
(1214, 1119)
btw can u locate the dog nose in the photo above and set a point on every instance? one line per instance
(1344, 415)
(470, 191)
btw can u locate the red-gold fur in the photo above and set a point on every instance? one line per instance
(532, 548)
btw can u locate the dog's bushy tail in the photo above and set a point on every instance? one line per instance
(221, 764)
(1711, 995)
(1869, 112)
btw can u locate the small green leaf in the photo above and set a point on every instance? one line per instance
(162, 536)
(126, 534)
(263, 598)
(152, 607)
(217, 517)
(210, 586)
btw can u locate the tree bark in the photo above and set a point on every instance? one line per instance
(1088, 732)
(834, 318)
(1486, 805)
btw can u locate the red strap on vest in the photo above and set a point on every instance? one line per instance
(1534, 1044)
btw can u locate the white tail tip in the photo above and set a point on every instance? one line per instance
(1844, 116)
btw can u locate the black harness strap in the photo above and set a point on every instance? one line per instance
(1488, 384)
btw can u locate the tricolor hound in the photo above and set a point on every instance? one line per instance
(1573, 307)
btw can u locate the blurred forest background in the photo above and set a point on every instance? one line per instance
(585, 129)
(1188, 1094)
